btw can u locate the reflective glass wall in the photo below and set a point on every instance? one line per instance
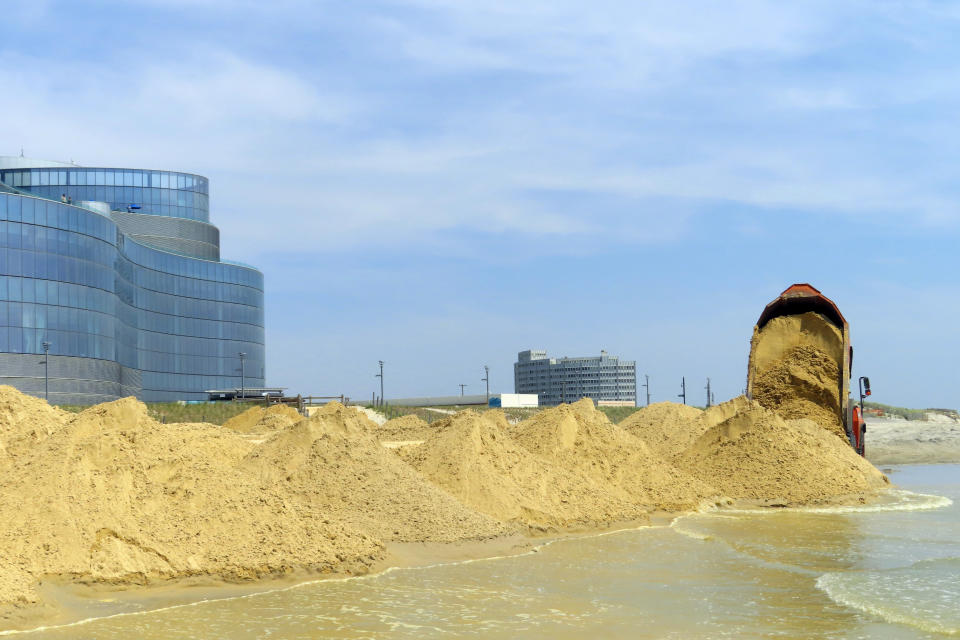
(172, 325)
(163, 193)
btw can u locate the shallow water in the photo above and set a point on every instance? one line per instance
(835, 573)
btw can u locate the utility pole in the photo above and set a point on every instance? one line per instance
(486, 378)
(46, 368)
(683, 390)
(709, 394)
(646, 385)
(380, 375)
(243, 392)
(461, 389)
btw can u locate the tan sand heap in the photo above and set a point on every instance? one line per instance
(111, 496)
(579, 437)
(797, 359)
(404, 428)
(475, 459)
(670, 428)
(264, 419)
(665, 427)
(756, 455)
(24, 421)
(334, 464)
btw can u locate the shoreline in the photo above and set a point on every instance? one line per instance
(66, 603)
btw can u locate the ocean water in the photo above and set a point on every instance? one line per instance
(878, 572)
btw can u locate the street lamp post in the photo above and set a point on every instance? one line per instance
(380, 375)
(242, 389)
(486, 378)
(46, 371)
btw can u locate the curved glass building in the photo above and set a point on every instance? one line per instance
(119, 272)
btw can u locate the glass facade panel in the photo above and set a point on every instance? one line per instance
(167, 326)
(178, 195)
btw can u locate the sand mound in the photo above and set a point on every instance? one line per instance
(408, 427)
(757, 455)
(333, 462)
(664, 426)
(474, 459)
(669, 428)
(579, 437)
(262, 420)
(25, 420)
(115, 497)
(796, 360)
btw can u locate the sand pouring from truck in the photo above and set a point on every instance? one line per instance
(801, 362)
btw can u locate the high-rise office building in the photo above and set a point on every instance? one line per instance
(604, 378)
(117, 272)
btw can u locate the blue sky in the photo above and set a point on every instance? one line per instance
(443, 184)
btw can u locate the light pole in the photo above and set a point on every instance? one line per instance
(486, 378)
(461, 389)
(243, 393)
(380, 375)
(46, 371)
(683, 390)
(646, 385)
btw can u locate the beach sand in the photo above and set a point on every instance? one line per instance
(108, 501)
(898, 441)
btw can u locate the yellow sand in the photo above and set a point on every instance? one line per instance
(475, 459)
(796, 361)
(757, 455)
(579, 437)
(262, 420)
(334, 464)
(111, 496)
(408, 427)
(669, 428)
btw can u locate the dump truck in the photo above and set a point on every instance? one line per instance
(801, 363)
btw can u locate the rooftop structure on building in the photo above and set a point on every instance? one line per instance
(118, 273)
(606, 379)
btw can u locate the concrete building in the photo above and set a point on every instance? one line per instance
(605, 379)
(118, 272)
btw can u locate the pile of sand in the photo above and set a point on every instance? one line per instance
(405, 428)
(111, 496)
(796, 362)
(578, 437)
(665, 427)
(262, 420)
(757, 455)
(669, 428)
(24, 421)
(473, 457)
(334, 463)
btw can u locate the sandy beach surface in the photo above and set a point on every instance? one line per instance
(898, 441)
(108, 511)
